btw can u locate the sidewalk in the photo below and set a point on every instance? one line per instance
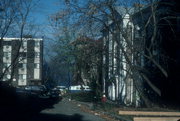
(97, 109)
(115, 115)
(68, 111)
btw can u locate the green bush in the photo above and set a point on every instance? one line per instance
(82, 96)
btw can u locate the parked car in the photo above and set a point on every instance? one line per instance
(54, 94)
(20, 90)
(79, 88)
(63, 89)
(36, 89)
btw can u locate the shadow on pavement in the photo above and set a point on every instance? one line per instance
(57, 117)
(29, 116)
(26, 107)
(21, 108)
(29, 108)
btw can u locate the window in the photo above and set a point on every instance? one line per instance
(36, 65)
(7, 48)
(77, 88)
(24, 44)
(22, 54)
(7, 43)
(22, 76)
(7, 54)
(37, 43)
(5, 65)
(22, 65)
(7, 76)
(37, 54)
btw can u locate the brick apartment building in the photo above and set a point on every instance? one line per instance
(21, 61)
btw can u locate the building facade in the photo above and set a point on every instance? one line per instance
(141, 55)
(21, 61)
(158, 44)
(117, 59)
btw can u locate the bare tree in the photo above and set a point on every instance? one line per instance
(15, 19)
(92, 16)
(8, 15)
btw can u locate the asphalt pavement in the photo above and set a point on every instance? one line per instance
(64, 111)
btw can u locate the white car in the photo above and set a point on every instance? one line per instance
(63, 89)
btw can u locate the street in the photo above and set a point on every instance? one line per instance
(64, 111)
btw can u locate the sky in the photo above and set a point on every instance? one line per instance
(44, 9)
(40, 16)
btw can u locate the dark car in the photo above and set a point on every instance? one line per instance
(55, 93)
(20, 90)
(36, 89)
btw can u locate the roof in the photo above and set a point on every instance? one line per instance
(124, 10)
(9, 39)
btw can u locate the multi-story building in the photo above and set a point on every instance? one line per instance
(117, 59)
(142, 54)
(21, 61)
(158, 45)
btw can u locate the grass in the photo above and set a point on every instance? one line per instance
(82, 96)
(107, 108)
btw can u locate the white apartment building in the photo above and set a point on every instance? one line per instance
(21, 61)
